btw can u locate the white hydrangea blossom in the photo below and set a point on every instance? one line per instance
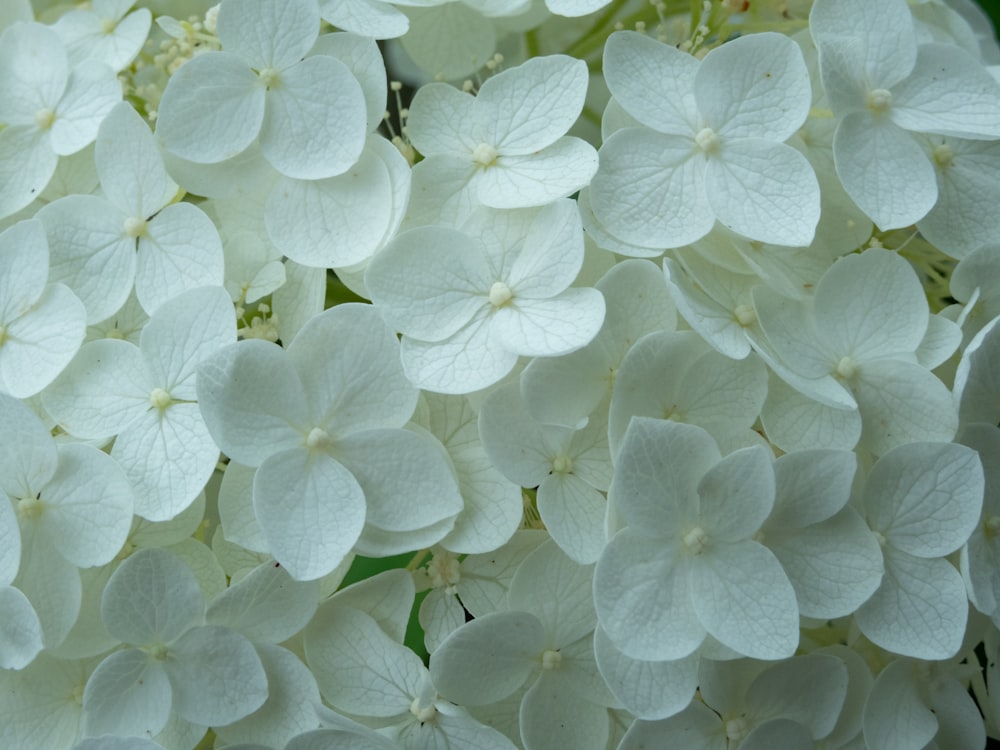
(693, 300)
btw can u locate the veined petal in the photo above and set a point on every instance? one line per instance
(884, 170)
(744, 599)
(538, 177)
(212, 108)
(268, 35)
(653, 82)
(314, 121)
(362, 388)
(643, 598)
(765, 191)
(181, 251)
(949, 92)
(128, 694)
(650, 189)
(430, 282)
(756, 86)
(91, 92)
(549, 327)
(311, 510)
(525, 109)
(469, 360)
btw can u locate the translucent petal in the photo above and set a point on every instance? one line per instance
(24, 261)
(88, 506)
(362, 56)
(27, 163)
(901, 402)
(269, 35)
(526, 108)
(895, 714)
(338, 221)
(877, 40)
(834, 565)
(736, 494)
(469, 360)
(871, 306)
(91, 92)
(949, 92)
(180, 251)
(168, 457)
(442, 121)
(537, 178)
(42, 342)
(811, 486)
(884, 170)
(311, 510)
(210, 122)
(50, 583)
(926, 498)
(266, 606)
(654, 82)
(488, 658)
(288, 710)
(649, 689)
(659, 468)
(744, 599)
(364, 390)
(314, 121)
(650, 189)
(550, 327)
(429, 282)
(384, 674)
(20, 630)
(151, 598)
(103, 391)
(755, 87)
(252, 401)
(765, 191)
(920, 610)
(128, 694)
(216, 675)
(129, 164)
(90, 252)
(643, 599)
(553, 717)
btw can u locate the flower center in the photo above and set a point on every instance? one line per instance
(317, 438)
(745, 315)
(943, 155)
(707, 140)
(269, 77)
(500, 294)
(696, 540)
(44, 118)
(423, 713)
(30, 508)
(444, 571)
(551, 659)
(562, 464)
(737, 729)
(879, 100)
(159, 398)
(846, 368)
(134, 226)
(484, 155)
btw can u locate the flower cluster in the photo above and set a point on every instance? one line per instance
(631, 382)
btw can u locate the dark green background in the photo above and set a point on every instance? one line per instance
(992, 7)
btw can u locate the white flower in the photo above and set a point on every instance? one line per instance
(145, 395)
(208, 674)
(308, 112)
(321, 422)
(712, 143)
(41, 324)
(504, 148)
(686, 564)
(49, 109)
(470, 302)
(883, 86)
